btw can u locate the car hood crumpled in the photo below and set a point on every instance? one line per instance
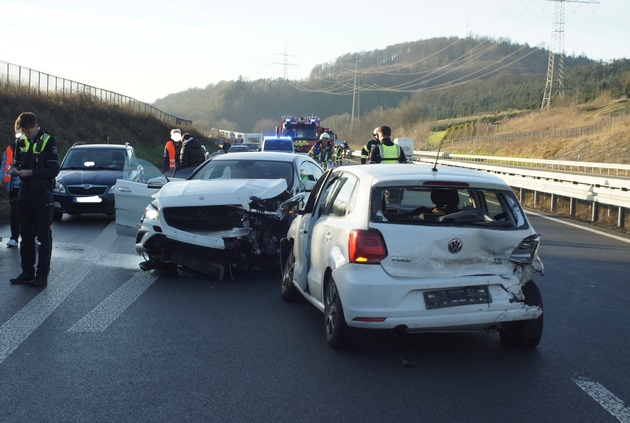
(219, 192)
(483, 251)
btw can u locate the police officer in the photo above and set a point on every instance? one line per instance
(367, 148)
(386, 151)
(37, 165)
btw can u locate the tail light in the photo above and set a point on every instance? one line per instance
(526, 251)
(367, 247)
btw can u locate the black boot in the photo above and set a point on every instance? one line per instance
(22, 279)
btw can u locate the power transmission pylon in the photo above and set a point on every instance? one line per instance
(557, 49)
(285, 62)
(355, 94)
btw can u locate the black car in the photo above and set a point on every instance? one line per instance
(87, 176)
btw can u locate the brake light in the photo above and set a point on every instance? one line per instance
(525, 252)
(366, 247)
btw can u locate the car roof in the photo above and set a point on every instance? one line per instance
(391, 173)
(98, 146)
(259, 155)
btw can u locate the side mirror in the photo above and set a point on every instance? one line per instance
(157, 183)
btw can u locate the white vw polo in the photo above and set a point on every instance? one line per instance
(415, 248)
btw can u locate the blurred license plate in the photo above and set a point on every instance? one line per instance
(91, 199)
(457, 297)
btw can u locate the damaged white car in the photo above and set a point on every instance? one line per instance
(411, 248)
(226, 215)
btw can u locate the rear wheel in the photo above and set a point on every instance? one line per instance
(288, 291)
(524, 333)
(338, 334)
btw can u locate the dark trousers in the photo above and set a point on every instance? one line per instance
(36, 215)
(14, 221)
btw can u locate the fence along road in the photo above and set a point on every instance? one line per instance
(46, 84)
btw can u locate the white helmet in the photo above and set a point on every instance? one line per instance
(324, 136)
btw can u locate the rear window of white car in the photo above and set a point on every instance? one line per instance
(446, 206)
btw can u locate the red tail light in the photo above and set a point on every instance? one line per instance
(367, 247)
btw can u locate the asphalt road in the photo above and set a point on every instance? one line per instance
(108, 342)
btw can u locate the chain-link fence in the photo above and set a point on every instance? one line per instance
(48, 84)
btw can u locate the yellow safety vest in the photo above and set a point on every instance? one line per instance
(389, 153)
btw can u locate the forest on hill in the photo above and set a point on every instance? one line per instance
(403, 85)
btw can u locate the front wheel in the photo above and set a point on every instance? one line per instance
(338, 334)
(288, 291)
(524, 333)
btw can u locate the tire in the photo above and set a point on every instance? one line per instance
(288, 291)
(524, 333)
(338, 334)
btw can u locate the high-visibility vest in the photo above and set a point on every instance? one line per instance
(389, 153)
(38, 147)
(8, 164)
(172, 160)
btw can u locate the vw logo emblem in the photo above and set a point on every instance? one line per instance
(455, 246)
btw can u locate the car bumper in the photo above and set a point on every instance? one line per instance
(372, 299)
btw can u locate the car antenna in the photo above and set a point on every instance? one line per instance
(436, 158)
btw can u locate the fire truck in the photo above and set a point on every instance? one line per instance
(304, 131)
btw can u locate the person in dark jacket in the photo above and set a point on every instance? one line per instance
(386, 151)
(193, 153)
(367, 148)
(37, 164)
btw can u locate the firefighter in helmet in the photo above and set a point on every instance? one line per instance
(365, 151)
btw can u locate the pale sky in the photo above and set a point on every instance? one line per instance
(147, 49)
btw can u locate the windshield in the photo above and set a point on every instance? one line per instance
(246, 169)
(446, 207)
(91, 159)
(300, 132)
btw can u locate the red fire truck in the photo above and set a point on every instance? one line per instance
(304, 131)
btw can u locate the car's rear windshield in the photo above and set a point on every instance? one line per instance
(246, 169)
(446, 206)
(94, 159)
(281, 145)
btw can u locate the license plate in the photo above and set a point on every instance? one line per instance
(457, 297)
(91, 199)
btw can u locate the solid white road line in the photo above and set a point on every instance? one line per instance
(19, 327)
(605, 398)
(106, 312)
(584, 228)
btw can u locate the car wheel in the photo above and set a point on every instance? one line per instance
(338, 334)
(57, 216)
(524, 333)
(288, 291)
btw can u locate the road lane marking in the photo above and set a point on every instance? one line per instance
(575, 225)
(605, 398)
(106, 312)
(23, 323)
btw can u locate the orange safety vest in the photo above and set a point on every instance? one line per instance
(170, 148)
(8, 164)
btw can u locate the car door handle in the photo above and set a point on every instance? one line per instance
(124, 190)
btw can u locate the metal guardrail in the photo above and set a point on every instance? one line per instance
(610, 190)
(47, 84)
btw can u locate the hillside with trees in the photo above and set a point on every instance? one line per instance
(403, 85)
